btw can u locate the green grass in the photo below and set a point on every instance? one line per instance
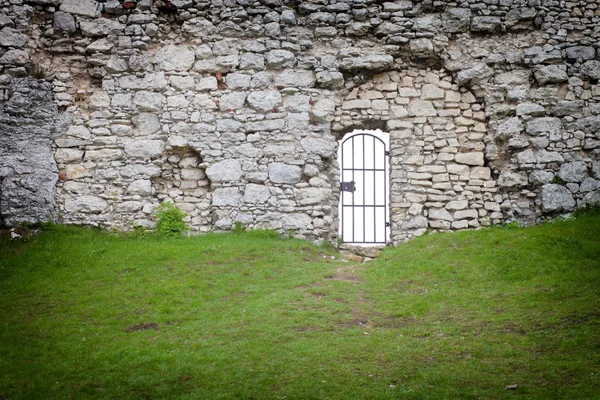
(88, 314)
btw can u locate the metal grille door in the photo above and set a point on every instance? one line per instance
(364, 189)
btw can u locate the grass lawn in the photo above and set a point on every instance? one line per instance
(88, 314)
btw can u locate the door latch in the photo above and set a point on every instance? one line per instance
(348, 186)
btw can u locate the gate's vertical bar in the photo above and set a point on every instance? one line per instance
(364, 207)
(385, 194)
(341, 191)
(353, 215)
(374, 191)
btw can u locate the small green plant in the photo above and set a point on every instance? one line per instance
(239, 228)
(557, 180)
(169, 220)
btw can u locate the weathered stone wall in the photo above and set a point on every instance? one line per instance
(233, 109)
(28, 172)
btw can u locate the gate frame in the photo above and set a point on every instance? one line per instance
(378, 136)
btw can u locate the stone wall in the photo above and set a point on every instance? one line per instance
(233, 109)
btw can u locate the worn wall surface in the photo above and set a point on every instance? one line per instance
(233, 109)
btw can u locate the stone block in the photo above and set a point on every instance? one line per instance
(85, 204)
(264, 101)
(174, 58)
(148, 101)
(229, 196)
(550, 74)
(510, 179)
(225, 171)
(87, 8)
(574, 171)
(543, 126)
(421, 108)
(556, 198)
(256, 194)
(473, 158)
(284, 173)
(146, 149)
(486, 24)
(455, 20)
(142, 187)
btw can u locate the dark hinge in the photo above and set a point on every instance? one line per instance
(387, 153)
(348, 186)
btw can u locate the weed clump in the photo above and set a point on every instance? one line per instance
(169, 220)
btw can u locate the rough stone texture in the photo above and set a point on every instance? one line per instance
(232, 110)
(557, 198)
(28, 172)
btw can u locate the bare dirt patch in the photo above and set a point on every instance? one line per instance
(141, 327)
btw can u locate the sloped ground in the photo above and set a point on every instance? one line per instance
(491, 314)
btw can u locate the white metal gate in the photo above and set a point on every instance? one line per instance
(363, 159)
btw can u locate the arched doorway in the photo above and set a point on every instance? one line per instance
(364, 199)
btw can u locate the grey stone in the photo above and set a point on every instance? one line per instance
(174, 58)
(319, 146)
(592, 198)
(440, 214)
(252, 61)
(100, 27)
(543, 126)
(100, 46)
(526, 157)
(575, 171)
(371, 62)
(280, 59)
(330, 80)
(146, 123)
(511, 179)
(540, 177)
(142, 187)
(10, 37)
(87, 8)
(568, 107)
(64, 21)
(256, 194)
(323, 110)
(510, 128)
(455, 20)
(473, 158)
(146, 149)
(427, 23)
(476, 74)
(291, 78)
(148, 101)
(86, 204)
(287, 17)
(284, 173)
(550, 74)
(232, 101)
(590, 70)
(264, 101)
(229, 196)
(15, 57)
(418, 222)
(486, 24)
(544, 156)
(236, 80)
(224, 171)
(589, 185)
(421, 48)
(421, 108)
(401, 5)
(556, 198)
(199, 27)
(583, 53)
(588, 125)
(312, 196)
